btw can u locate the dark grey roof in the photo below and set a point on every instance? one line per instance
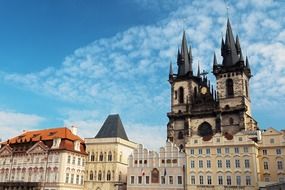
(112, 127)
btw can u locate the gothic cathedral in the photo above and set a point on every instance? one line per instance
(198, 109)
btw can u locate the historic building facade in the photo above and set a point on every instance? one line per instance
(151, 170)
(223, 144)
(49, 159)
(106, 166)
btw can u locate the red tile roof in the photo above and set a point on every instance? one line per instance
(47, 135)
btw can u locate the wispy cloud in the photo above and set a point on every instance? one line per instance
(13, 123)
(128, 72)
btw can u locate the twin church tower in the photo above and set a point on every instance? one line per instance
(198, 109)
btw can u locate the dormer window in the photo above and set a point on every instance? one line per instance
(77, 145)
(56, 142)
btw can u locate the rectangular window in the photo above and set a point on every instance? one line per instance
(218, 139)
(139, 179)
(227, 150)
(229, 180)
(265, 165)
(266, 179)
(68, 159)
(71, 179)
(238, 180)
(240, 138)
(147, 179)
(179, 180)
(264, 152)
(82, 180)
(228, 163)
(192, 151)
(200, 151)
(245, 149)
(162, 180)
(193, 180)
(220, 180)
(237, 163)
(200, 163)
(220, 165)
(219, 151)
(132, 179)
(209, 180)
(247, 180)
(201, 179)
(246, 164)
(272, 141)
(67, 178)
(73, 160)
(192, 164)
(77, 179)
(278, 151)
(236, 150)
(208, 151)
(280, 165)
(208, 163)
(170, 179)
(79, 161)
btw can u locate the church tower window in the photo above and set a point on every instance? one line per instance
(246, 89)
(180, 135)
(181, 95)
(230, 87)
(231, 121)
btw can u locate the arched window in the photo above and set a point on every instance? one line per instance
(92, 156)
(155, 176)
(101, 156)
(91, 175)
(180, 135)
(99, 175)
(120, 176)
(231, 121)
(230, 87)
(246, 88)
(108, 175)
(110, 156)
(95, 175)
(181, 95)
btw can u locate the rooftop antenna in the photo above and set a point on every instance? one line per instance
(227, 5)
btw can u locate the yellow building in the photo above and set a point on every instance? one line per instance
(272, 157)
(106, 166)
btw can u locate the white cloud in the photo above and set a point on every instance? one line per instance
(13, 123)
(128, 72)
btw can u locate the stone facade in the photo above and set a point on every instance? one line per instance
(151, 170)
(198, 109)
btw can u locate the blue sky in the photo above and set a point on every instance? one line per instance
(74, 62)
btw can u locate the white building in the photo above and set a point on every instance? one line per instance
(50, 159)
(152, 170)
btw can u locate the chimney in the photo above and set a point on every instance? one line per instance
(74, 130)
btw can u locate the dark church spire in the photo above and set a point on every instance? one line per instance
(184, 58)
(215, 63)
(229, 50)
(238, 45)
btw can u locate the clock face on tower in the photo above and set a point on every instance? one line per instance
(204, 90)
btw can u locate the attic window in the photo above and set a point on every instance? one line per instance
(21, 136)
(52, 133)
(35, 135)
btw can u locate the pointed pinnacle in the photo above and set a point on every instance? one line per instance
(198, 72)
(170, 69)
(247, 63)
(238, 45)
(241, 57)
(215, 60)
